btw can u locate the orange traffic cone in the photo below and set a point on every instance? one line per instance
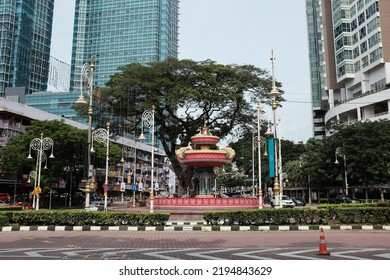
(323, 248)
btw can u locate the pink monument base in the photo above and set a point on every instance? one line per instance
(205, 203)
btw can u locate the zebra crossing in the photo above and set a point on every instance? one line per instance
(264, 253)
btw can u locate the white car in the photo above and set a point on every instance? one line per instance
(3, 203)
(286, 202)
(95, 206)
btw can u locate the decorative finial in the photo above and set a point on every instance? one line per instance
(274, 91)
(205, 129)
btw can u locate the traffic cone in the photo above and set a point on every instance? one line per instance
(323, 248)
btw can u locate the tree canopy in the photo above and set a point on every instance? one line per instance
(69, 150)
(366, 146)
(185, 93)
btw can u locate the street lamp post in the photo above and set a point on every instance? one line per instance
(148, 121)
(274, 105)
(103, 135)
(280, 170)
(339, 152)
(87, 71)
(254, 143)
(259, 144)
(40, 145)
(133, 152)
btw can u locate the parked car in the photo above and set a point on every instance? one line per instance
(25, 205)
(4, 197)
(342, 199)
(3, 204)
(98, 205)
(286, 202)
(298, 201)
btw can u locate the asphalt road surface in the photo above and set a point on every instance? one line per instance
(160, 245)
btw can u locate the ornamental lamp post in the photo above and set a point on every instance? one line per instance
(147, 120)
(103, 135)
(87, 71)
(274, 105)
(40, 145)
(254, 142)
(259, 145)
(339, 152)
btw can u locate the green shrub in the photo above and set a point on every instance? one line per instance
(11, 208)
(3, 220)
(83, 218)
(267, 216)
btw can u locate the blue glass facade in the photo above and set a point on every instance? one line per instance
(122, 32)
(57, 103)
(25, 38)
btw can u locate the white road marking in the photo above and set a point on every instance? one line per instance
(341, 253)
(294, 254)
(160, 255)
(205, 256)
(249, 254)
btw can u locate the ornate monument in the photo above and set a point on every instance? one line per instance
(203, 154)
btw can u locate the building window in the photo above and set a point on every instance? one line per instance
(360, 4)
(361, 18)
(363, 47)
(374, 39)
(372, 9)
(362, 33)
(379, 85)
(357, 66)
(372, 25)
(376, 55)
(356, 52)
(364, 61)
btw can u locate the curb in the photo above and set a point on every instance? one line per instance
(191, 226)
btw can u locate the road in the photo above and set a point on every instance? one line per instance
(194, 245)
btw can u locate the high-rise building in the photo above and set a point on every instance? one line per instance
(121, 32)
(25, 38)
(349, 51)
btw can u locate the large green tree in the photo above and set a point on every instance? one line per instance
(366, 146)
(185, 93)
(69, 150)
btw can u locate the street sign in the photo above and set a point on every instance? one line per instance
(134, 187)
(123, 186)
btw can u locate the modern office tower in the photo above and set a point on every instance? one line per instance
(350, 60)
(117, 33)
(317, 63)
(25, 38)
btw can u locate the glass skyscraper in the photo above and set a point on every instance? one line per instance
(314, 13)
(120, 32)
(25, 38)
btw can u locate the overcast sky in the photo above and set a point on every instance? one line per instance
(236, 32)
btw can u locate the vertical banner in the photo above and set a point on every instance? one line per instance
(271, 157)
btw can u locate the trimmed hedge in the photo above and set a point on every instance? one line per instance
(11, 208)
(359, 213)
(3, 220)
(82, 218)
(268, 217)
(353, 205)
(372, 213)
